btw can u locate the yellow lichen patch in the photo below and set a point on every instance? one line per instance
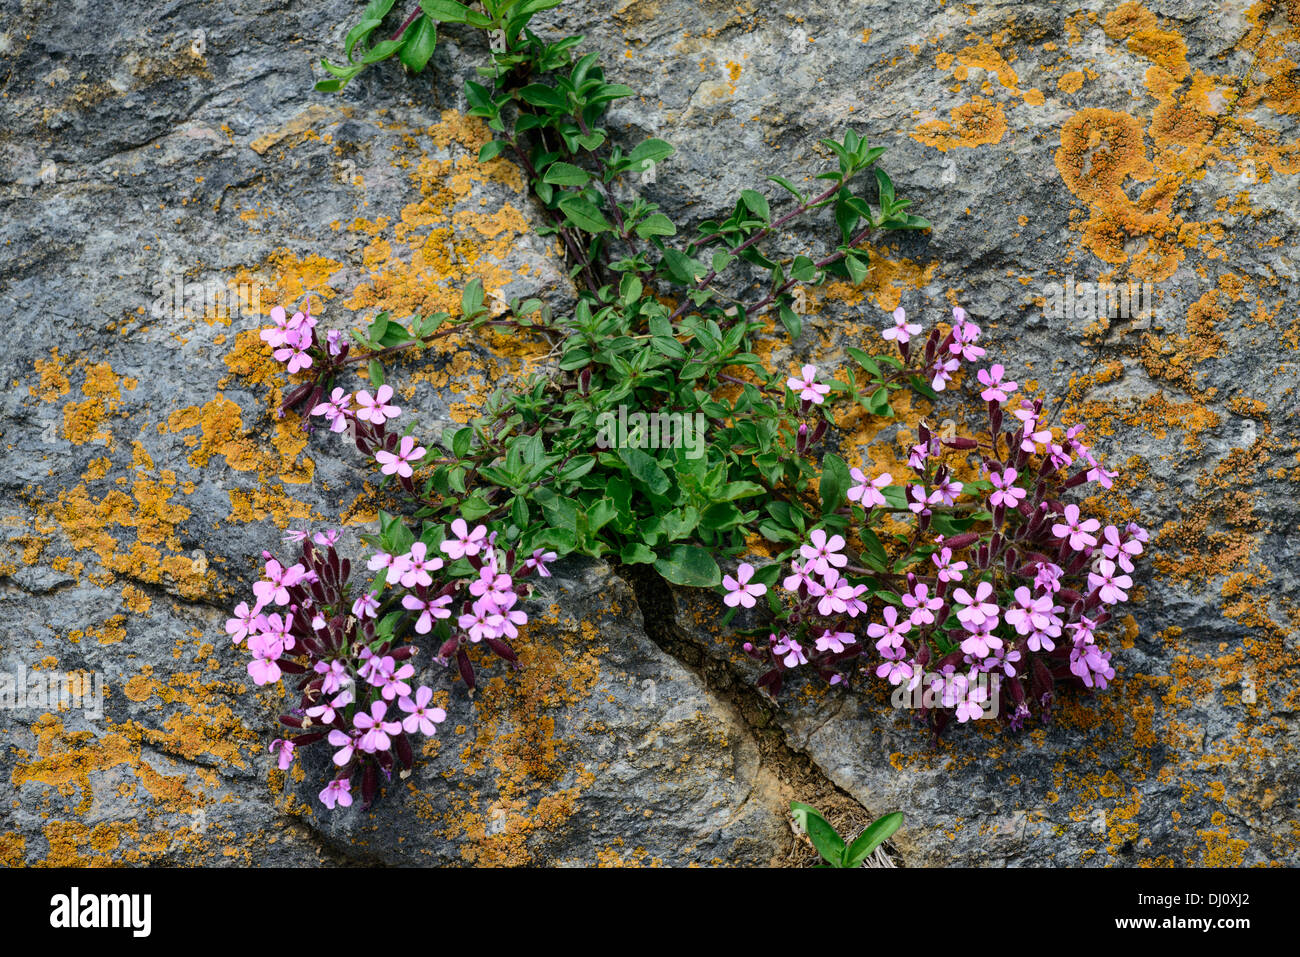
(972, 124)
(1136, 24)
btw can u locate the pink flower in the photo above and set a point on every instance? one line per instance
(510, 617)
(802, 576)
(894, 671)
(943, 370)
(263, 669)
(808, 388)
(917, 500)
(274, 335)
(790, 652)
(376, 410)
(492, 586)
(964, 335)
(995, 389)
(740, 590)
(367, 605)
(970, 707)
(429, 609)
(294, 351)
(902, 330)
(1114, 547)
(415, 566)
(892, 632)
(392, 679)
(1078, 532)
(1111, 588)
(336, 676)
(945, 492)
(375, 730)
(539, 560)
(284, 750)
(1034, 436)
(836, 594)
(980, 643)
(346, 743)
(420, 717)
(1031, 614)
(481, 621)
(248, 620)
(976, 608)
(834, 641)
(399, 462)
(1005, 492)
(949, 571)
(868, 493)
(336, 410)
(824, 553)
(922, 603)
(463, 542)
(275, 589)
(327, 711)
(338, 791)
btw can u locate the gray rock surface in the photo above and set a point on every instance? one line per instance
(143, 470)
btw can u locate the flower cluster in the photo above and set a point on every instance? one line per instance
(999, 578)
(350, 646)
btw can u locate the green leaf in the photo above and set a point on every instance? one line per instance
(448, 11)
(636, 553)
(491, 150)
(876, 834)
(646, 470)
(539, 94)
(651, 151)
(689, 565)
(790, 319)
(824, 837)
(584, 215)
(757, 204)
(376, 373)
(419, 41)
(835, 482)
(656, 224)
(566, 174)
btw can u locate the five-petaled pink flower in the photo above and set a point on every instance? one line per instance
(995, 388)
(902, 330)
(336, 410)
(1111, 588)
(420, 716)
(376, 409)
(809, 389)
(399, 462)
(740, 590)
(867, 493)
(338, 791)
(1077, 530)
(375, 731)
(1005, 492)
(275, 589)
(977, 608)
(464, 542)
(429, 610)
(892, 632)
(824, 553)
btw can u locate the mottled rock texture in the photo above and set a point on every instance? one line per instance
(143, 470)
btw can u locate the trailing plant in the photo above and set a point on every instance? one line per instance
(656, 435)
